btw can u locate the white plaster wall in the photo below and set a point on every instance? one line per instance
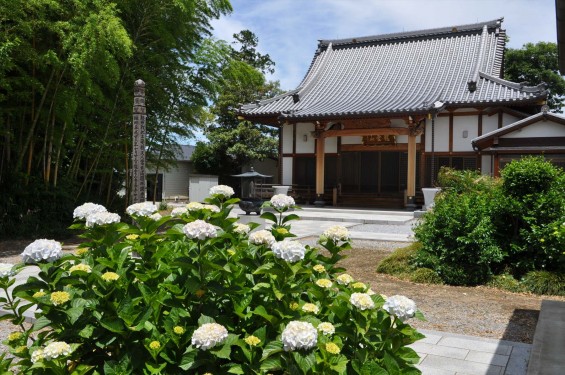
(460, 125)
(352, 140)
(509, 119)
(403, 139)
(302, 129)
(287, 133)
(287, 171)
(490, 123)
(538, 129)
(330, 146)
(441, 134)
(176, 180)
(486, 165)
(397, 123)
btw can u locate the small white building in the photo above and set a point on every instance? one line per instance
(172, 184)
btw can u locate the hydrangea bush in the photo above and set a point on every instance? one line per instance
(199, 293)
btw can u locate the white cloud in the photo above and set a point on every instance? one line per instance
(289, 30)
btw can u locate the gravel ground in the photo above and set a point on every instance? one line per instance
(386, 228)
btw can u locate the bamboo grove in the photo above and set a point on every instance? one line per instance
(67, 69)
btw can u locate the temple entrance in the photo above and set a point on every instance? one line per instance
(375, 172)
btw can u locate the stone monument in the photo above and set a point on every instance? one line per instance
(138, 147)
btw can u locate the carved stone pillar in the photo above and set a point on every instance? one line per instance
(138, 147)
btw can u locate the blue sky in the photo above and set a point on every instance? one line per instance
(289, 30)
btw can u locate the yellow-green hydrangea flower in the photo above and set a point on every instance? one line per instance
(231, 252)
(252, 340)
(178, 330)
(310, 308)
(132, 237)
(58, 298)
(110, 276)
(282, 231)
(294, 305)
(332, 348)
(80, 267)
(20, 349)
(319, 268)
(324, 283)
(39, 294)
(359, 285)
(14, 336)
(326, 328)
(154, 345)
(82, 251)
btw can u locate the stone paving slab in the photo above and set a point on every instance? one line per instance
(445, 353)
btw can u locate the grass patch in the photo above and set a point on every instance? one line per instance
(400, 264)
(425, 276)
(399, 261)
(507, 282)
(545, 282)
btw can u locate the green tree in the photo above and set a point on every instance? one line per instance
(535, 64)
(232, 142)
(67, 69)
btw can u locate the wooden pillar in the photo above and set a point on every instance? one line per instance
(320, 158)
(411, 178)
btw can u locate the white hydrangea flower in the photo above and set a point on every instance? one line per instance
(362, 301)
(211, 207)
(291, 251)
(282, 201)
(194, 206)
(262, 237)
(179, 211)
(299, 335)
(223, 190)
(6, 269)
(142, 209)
(209, 335)
(400, 306)
(344, 279)
(337, 233)
(326, 328)
(38, 250)
(56, 349)
(199, 229)
(37, 355)
(156, 216)
(241, 228)
(83, 211)
(102, 218)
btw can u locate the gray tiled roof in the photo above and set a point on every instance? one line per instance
(486, 139)
(401, 73)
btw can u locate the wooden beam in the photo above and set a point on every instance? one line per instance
(357, 147)
(362, 132)
(451, 132)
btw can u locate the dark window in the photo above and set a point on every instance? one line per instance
(455, 162)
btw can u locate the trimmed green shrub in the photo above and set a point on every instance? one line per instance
(531, 214)
(545, 282)
(529, 175)
(458, 237)
(425, 276)
(482, 226)
(506, 282)
(400, 261)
